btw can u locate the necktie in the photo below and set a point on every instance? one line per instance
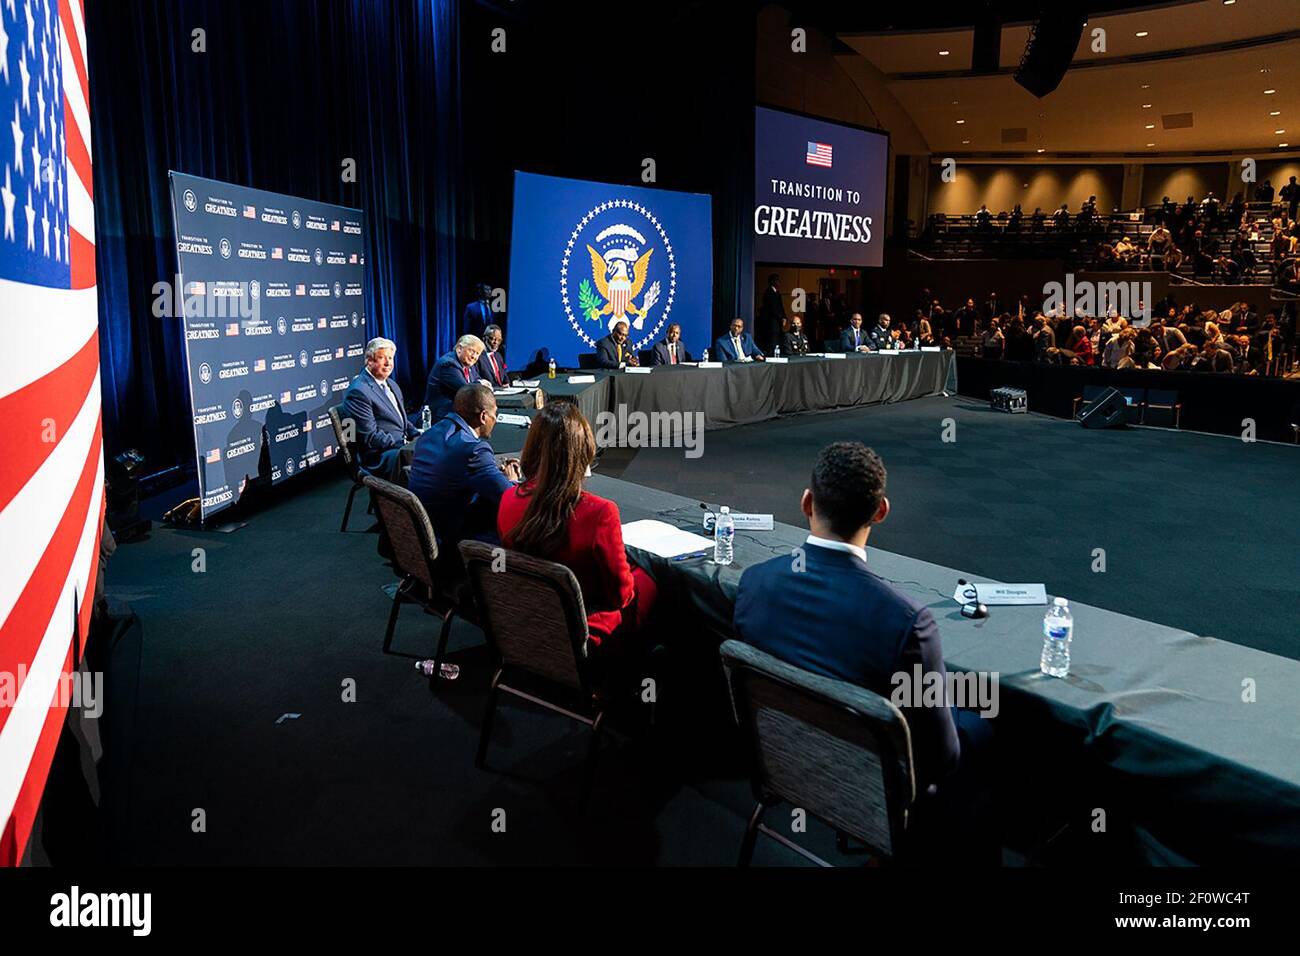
(496, 372)
(620, 354)
(855, 336)
(392, 397)
(465, 369)
(672, 354)
(736, 343)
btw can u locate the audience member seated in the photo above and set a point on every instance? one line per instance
(613, 351)
(671, 351)
(854, 338)
(994, 340)
(373, 402)
(491, 365)
(828, 613)
(737, 345)
(450, 372)
(1180, 358)
(1079, 349)
(550, 516)
(455, 473)
(1119, 349)
(795, 342)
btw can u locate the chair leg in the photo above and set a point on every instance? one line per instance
(489, 715)
(593, 751)
(751, 836)
(441, 650)
(392, 616)
(348, 510)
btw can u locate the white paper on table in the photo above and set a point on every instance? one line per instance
(581, 379)
(663, 539)
(637, 370)
(509, 419)
(510, 390)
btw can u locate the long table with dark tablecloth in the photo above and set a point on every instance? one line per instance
(742, 393)
(1190, 745)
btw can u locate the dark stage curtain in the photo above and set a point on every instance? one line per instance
(285, 91)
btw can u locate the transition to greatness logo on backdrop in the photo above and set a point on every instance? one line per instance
(618, 266)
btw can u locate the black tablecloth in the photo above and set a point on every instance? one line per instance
(1151, 726)
(739, 394)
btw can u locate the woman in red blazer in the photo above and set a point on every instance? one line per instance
(549, 515)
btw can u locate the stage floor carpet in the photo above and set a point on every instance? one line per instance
(244, 666)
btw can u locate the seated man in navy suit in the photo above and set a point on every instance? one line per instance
(737, 346)
(450, 372)
(456, 475)
(491, 365)
(373, 403)
(613, 350)
(826, 612)
(854, 339)
(671, 351)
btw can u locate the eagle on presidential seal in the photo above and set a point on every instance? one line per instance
(619, 273)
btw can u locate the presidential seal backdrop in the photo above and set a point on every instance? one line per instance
(585, 256)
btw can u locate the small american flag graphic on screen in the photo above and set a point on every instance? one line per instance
(819, 154)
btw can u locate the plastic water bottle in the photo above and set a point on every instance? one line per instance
(426, 418)
(776, 351)
(1058, 628)
(724, 537)
(550, 369)
(705, 356)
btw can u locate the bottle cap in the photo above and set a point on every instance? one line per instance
(1061, 602)
(726, 510)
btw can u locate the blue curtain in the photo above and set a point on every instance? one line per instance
(282, 94)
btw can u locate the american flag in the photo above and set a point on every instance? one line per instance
(819, 154)
(277, 252)
(250, 212)
(52, 465)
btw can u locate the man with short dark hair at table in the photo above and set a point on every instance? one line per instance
(737, 346)
(373, 402)
(880, 338)
(854, 339)
(450, 372)
(825, 611)
(671, 351)
(613, 351)
(455, 474)
(796, 343)
(491, 365)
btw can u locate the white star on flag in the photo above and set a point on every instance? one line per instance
(4, 50)
(30, 210)
(31, 27)
(7, 194)
(18, 140)
(45, 229)
(27, 81)
(40, 103)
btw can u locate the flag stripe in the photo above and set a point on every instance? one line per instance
(24, 631)
(31, 519)
(74, 43)
(83, 262)
(78, 153)
(51, 402)
(71, 318)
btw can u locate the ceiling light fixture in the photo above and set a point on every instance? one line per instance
(1269, 92)
(960, 122)
(944, 52)
(1151, 125)
(1150, 144)
(1278, 132)
(1141, 33)
(1274, 112)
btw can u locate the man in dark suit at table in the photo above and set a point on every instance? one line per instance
(796, 343)
(491, 365)
(771, 317)
(478, 314)
(854, 339)
(737, 345)
(450, 372)
(825, 611)
(455, 473)
(671, 351)
(880, 338)
(373, 403)
(613, 350)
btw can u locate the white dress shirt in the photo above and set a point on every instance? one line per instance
(392, 396)
(837, 546)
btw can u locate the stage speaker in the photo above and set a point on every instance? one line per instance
(1108, 411)
(1052, 42)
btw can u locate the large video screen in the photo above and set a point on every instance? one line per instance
(586, 255)
(819, 191)
(275, 328)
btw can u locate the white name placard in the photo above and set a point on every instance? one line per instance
(581, 379)
(1000, 594)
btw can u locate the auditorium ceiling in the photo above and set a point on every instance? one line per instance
(1181, 78)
